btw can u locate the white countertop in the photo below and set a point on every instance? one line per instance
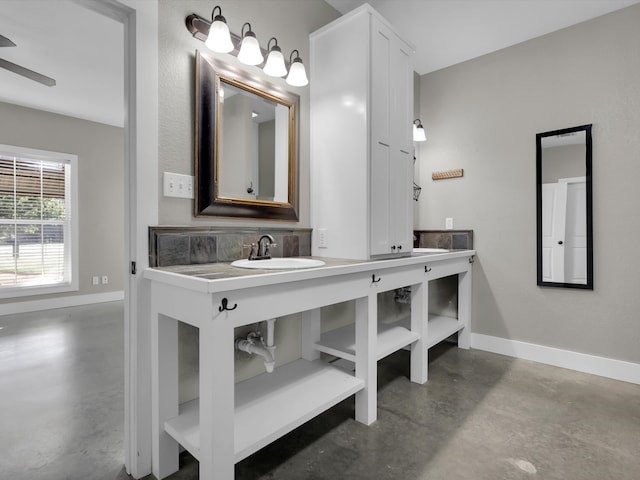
(221, 277)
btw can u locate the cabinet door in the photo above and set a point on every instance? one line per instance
(401, 195)
(401, 200)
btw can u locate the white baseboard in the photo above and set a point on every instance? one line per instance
(581, 362)
(59, 302)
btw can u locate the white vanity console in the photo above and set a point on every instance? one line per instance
(231, 421)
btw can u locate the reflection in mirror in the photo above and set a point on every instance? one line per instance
(246, 144)
(564, 205)
(253, 143)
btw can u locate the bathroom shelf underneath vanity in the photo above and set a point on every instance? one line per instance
(391, 337)
(270, 405)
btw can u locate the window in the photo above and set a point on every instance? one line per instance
(38, 222)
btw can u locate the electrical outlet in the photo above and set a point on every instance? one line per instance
(95, 280)
(177, 185)
(105, 279)
(323, 238)
(448, 223)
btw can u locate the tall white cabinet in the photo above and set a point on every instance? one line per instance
(361, 145)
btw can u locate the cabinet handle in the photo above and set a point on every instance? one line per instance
(399, 247)
(427, 269)
(560, 242)
(373, 278)
(393, 247)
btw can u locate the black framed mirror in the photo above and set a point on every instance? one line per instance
(565, 208)
(246, 145)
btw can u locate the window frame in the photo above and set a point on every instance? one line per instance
(71, 244)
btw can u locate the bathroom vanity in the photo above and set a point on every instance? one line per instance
(229, 421)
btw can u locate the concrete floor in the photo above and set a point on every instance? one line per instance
(480, 416)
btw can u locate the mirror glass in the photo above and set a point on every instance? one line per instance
(253, 145)
(246, 144)
(564, 208)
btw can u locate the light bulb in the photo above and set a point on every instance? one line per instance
(419, 134)
(250, 53)
(297, 74)
(219, 38)
(275, 66)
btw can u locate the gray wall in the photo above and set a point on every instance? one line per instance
(289, 21)
(100, 150)
(565, 161)
(483, 115)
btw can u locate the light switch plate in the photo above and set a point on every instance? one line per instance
(448, 223)
(323, 238)
(178, 185)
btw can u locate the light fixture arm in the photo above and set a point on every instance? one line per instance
(291, 59)
(250, 32)
(269, 44)
(214, 17)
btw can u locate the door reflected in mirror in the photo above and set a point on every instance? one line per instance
(564, 208)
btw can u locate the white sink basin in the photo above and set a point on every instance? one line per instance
(430, 250)
(278, 263)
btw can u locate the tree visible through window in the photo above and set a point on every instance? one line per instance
(35, 219)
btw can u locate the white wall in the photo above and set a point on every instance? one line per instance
(483, 115)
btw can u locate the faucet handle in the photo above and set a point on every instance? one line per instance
(252, 252)
(267, 247)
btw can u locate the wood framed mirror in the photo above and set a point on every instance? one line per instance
(246, 145)
(565, 208)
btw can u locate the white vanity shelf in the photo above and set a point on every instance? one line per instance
(270, 405)
(230, 421)
(391, 337)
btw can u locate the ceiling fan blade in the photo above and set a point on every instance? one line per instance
(5, 42)
(25, 72)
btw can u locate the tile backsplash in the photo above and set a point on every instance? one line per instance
(195, 245)
(449, 239)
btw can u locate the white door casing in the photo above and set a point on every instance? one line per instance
(140, 20)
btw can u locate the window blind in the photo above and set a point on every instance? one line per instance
(34, 222)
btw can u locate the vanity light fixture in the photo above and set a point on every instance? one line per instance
(275, 66)
(297, 74)
(219, 38)
(419, 134)
(250, 53)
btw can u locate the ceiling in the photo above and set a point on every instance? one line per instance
(83, 50)
(446, 32)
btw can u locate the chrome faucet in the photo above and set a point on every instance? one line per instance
(260, 250)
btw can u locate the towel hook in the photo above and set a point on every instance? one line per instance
(224, 306)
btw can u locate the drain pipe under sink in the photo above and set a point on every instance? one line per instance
(254, 344)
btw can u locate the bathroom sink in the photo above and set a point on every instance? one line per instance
(278, 263)
(430, 250)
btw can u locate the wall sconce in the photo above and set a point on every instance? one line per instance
(419, 134)
(274, 65)
(297, 74)
(250, 53)
(218, 38)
